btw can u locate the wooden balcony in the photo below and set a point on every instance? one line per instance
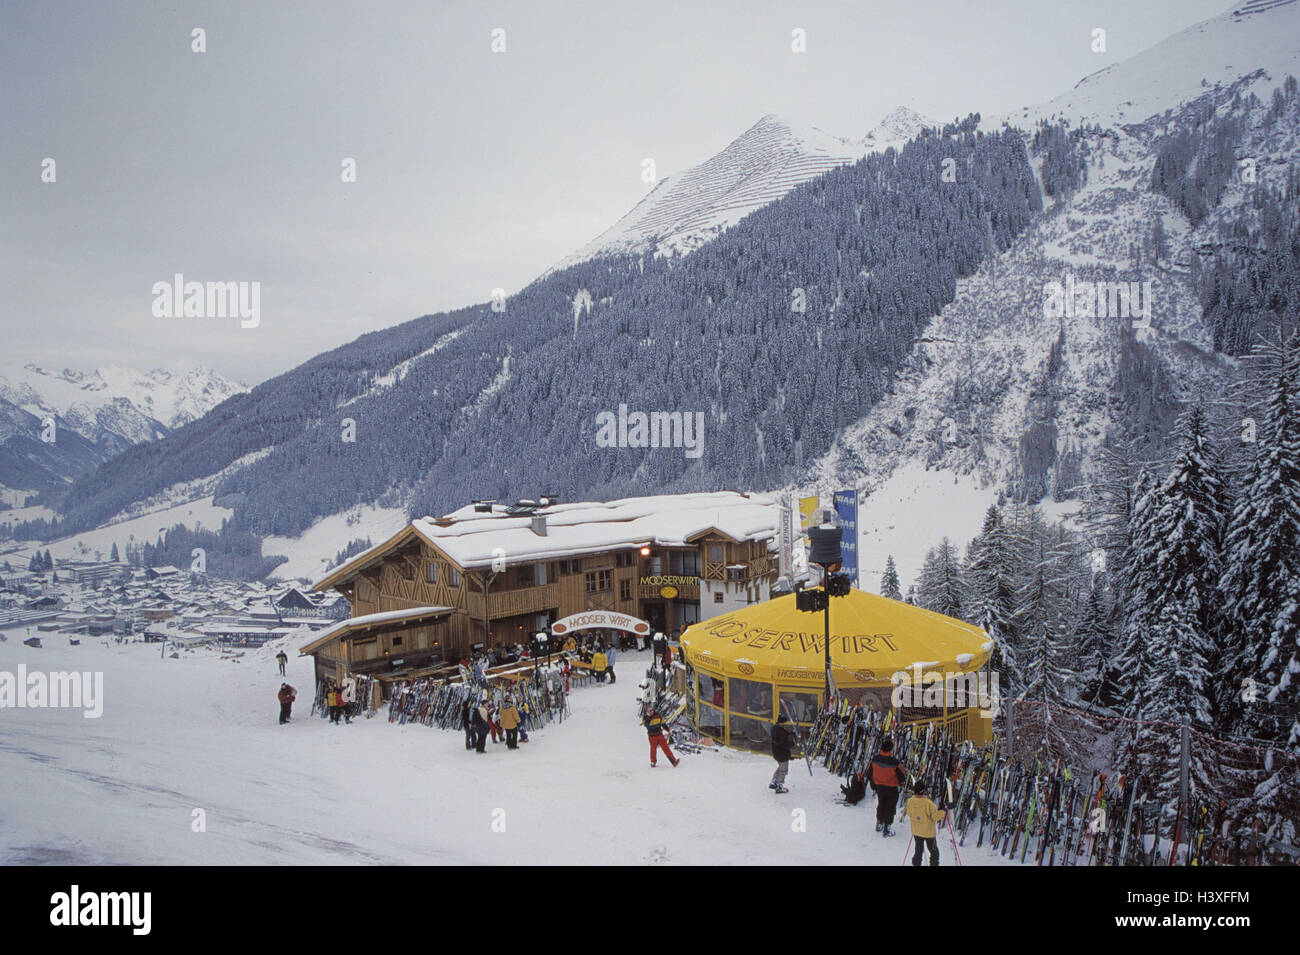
(510, 603)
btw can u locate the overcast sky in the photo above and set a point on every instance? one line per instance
(475, 169)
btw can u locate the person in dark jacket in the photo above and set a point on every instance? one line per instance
(479, 724)
(465, 724)
(782, 743)
(282, 658)
(885, 776)
(286, 697)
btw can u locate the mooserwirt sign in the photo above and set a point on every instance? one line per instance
(600, 620)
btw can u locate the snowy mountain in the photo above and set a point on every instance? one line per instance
(685, 210)
(993, 376)
(921, 311)
(1256, 37)
(110, 409)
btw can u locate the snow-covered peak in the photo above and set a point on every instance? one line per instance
(762, 164)
(1258, 35)
(901, 125)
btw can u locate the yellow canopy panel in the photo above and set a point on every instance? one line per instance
(872, 638)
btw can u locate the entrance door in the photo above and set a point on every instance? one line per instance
(654, 615)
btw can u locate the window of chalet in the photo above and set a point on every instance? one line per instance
(717, 597)
(453, 577)
(542, 577)
(623, 558)
(524, 575)
(715, 553)
(433, 572)
(396, 641)
(685, 563)
(598, 581)
(625, 590)
(735, 574)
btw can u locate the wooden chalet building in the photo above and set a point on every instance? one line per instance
(495, 575)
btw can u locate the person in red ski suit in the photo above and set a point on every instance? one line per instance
(654, 727)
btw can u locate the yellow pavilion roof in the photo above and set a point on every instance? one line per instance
(872, 638)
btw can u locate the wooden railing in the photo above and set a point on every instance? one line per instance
(509, 603)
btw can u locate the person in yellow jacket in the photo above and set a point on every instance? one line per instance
(598, 664)
(924, 816)
(510, 722)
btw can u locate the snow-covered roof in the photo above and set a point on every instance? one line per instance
(666, 520)
(474, 539)
(370, 620)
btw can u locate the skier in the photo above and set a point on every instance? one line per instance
(510, 720)
(782, 741)
(479, 724)
(349, 697)
(598, 663)
(335, 701)
(924, 815)
(654, 727)
(855, 791)
(886, 777)
(286, 697)
(610, 655)
(282, 658)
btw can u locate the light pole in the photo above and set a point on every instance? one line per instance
(826, 554)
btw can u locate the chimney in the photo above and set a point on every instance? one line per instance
(539, 525)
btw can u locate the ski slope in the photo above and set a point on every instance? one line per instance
(201, 732)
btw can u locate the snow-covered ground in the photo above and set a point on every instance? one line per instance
(910, 513)
(201, 732)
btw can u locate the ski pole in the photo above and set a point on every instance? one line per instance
(954, 839)
(906, 851)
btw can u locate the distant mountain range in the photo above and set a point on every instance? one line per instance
(96, 416)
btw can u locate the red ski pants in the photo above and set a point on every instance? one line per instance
(657, 743)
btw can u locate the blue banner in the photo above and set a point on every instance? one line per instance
(846, 510)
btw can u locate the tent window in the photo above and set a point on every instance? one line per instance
(804, 704)
(752, 698)
(747, 733)
(711, 721)
(712, 690)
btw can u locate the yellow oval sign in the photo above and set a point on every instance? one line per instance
(668, 593)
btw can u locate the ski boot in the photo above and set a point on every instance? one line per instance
(779, 789)
(887, 832)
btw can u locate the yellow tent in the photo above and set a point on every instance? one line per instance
(749, 663)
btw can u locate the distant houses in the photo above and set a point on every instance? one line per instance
(94, 598)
